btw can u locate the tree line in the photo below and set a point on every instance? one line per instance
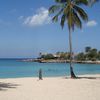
(89, 54)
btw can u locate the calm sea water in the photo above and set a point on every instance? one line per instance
(14, 69)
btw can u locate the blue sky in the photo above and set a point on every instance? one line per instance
(26, 29)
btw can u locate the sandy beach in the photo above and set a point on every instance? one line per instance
(57, 88)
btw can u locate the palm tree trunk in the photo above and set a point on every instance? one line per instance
(71, 58)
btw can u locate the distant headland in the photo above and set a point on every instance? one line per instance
(89, 56)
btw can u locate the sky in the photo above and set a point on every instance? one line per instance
(26, 29)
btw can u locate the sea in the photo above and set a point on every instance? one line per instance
(13, 68)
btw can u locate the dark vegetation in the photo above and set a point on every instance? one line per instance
(89, 53)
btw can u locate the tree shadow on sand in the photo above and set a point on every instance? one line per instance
(88, 77)
(82, 77)
(6, 86)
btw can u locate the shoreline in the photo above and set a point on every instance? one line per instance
(67, 76)
(58, 61)
(67, 61)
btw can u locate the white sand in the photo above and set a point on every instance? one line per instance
(50, 89)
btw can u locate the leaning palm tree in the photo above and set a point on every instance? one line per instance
(71, 13)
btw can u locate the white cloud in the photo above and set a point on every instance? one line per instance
(91, 23)
(40, 18)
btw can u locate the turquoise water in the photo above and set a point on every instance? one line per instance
(14, 69)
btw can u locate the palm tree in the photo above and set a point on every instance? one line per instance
(71, 13)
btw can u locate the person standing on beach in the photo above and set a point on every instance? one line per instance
(40, 74)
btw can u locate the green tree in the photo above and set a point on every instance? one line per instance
(81, 56)
(58, 53)
(48, 56)
(64, 55)
(69, 12)
(98, 56)
(87, 49)
(94, 50)
(92, 54)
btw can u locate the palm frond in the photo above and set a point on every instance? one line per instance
(54, 8)
(66, 10)
(70, 20)
(81, 2)
(55, 18)
(76, 20)
(61, 1)
(63, 18)
(81, 12)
